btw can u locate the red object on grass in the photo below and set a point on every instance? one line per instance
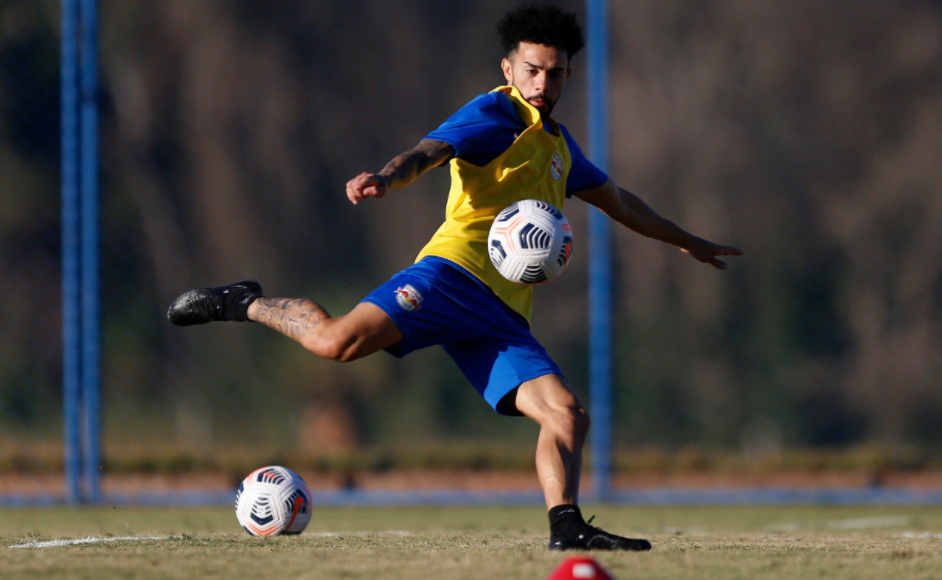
(580, 569)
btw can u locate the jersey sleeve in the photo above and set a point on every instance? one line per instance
(482, 129)
(583, 174)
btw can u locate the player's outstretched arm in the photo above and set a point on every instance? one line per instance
(629, 210)
(401, 171)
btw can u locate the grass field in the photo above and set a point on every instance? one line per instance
(459, 543)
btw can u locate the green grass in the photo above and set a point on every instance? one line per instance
(458, 543)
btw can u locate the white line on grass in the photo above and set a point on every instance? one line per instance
(919, 536)
(94, 540)
(366, 533)
(848, 524)
(88, 540)
(876, 522)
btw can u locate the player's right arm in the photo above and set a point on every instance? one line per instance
(401, 171)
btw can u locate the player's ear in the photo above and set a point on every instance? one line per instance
(507, 67)
(568, 72)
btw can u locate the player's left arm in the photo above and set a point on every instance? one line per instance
(629, 210)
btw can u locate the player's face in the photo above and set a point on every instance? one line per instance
(539, 73)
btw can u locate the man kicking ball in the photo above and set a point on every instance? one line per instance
(502, 147)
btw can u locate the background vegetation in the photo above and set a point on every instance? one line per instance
(806, 132)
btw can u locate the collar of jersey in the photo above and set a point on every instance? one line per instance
(533, 113)
(536, 126)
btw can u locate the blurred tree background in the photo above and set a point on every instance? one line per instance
(807, 133)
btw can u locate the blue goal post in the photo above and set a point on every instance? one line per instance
(80, 249)
(71, 332)
(600, 261)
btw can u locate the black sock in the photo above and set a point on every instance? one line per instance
(235, 306)
(565, 521)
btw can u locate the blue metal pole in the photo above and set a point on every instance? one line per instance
(91, 376)
(71, 339)
(600, 271)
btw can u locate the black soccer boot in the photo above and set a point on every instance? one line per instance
(568, 531)
(202, 305)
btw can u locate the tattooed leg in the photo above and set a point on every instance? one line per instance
(365, 330)
(292, 317)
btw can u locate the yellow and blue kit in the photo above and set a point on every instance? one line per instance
(453, 296)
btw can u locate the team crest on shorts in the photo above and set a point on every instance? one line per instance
(409, 298)
(556, 166)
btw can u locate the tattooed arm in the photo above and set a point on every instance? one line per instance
(401, 171)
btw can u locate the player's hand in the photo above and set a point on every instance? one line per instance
(366, 185)
(707, 252)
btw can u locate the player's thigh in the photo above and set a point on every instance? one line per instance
(363, 331)
(546, 397)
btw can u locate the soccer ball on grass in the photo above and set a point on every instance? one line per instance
(530, 242)
(273, 500)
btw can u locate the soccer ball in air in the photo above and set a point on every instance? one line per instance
(530, 242)
(273, 500)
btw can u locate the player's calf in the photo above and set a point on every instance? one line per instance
(297, 318)
(308, 323)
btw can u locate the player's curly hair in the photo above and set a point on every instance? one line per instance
(545, 24)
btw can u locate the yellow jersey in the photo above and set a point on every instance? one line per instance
(535, 166)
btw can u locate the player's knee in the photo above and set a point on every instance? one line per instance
(331, 346)
(569, 423)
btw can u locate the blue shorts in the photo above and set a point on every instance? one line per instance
(438, 302)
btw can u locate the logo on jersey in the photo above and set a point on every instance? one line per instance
(409, 298)
(556, 167)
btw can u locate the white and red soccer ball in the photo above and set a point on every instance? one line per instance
(530, 242)
(273, 500)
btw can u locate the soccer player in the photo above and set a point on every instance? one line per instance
(502, 147)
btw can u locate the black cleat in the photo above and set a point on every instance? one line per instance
(593, 538)
(202, 305)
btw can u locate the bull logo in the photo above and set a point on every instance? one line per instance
(556, 167)
(409, 298)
